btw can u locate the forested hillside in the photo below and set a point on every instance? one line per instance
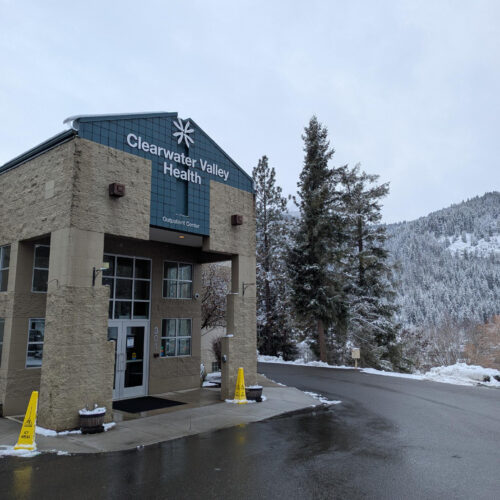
(448, 264)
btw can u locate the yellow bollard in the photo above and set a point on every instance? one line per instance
(239, 393)
(26, 439)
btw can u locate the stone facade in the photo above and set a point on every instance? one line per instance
(60, 198)
(239, 346)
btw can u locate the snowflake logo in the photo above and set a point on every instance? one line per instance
(184, 131)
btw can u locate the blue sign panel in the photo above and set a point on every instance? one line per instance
(184, 161)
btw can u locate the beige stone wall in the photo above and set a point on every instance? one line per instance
(35, 198)
(240, 349)
(92, 209)
(78, 360)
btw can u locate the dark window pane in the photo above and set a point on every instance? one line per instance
(4, 279)
(34, 355)
(123, 310)
(124, 267)
(142, 269)
(184, 290)
(141, 310)
(167, 348)
(110, 311)
(183, 347)
(185, 272)
(109, 282)
(111, 261)
(5, 256)
(124, 289)
(170, 270)
(141, 290)
(42, 257)
(40, 278)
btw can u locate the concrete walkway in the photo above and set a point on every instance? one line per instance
(209, 414)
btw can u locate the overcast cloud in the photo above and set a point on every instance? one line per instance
(409, 89)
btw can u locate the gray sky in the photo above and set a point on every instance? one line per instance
(409, 89)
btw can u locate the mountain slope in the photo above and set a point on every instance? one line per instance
(448, 264)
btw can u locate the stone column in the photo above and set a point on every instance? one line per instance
(16, 381)
(239, 346)
(78, 360)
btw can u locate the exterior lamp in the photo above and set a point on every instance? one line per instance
(95, 272)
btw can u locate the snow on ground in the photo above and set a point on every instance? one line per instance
(458, 374)
(463, 374)
(298, 362)
(8, 451)
(322, 399)
(42, 431)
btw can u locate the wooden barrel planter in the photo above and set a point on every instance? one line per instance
(92, 421)
(254, 393)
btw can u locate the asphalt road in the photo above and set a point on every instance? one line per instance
(390, 438)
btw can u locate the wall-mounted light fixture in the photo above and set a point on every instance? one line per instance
(96, 272)
(116, 190)
(236, 220)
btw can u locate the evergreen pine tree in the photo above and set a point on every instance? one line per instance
(368, 283)
(316, 289)
(274, 317)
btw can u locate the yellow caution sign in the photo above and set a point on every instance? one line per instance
(26, 439)
(239, 393)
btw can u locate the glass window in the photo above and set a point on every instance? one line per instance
(129, 280)
(177, 280)
(124, 267)
(4, 267)
(41, 268)
(2, 324)
(175, 337)
(34, 353)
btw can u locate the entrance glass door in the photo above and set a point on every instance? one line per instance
(131, 357)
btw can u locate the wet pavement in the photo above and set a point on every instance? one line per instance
(390, 438)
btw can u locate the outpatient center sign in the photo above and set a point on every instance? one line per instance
(184, 161)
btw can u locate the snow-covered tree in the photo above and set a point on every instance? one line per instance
(368, 281)
(274, 315)
(315, 277)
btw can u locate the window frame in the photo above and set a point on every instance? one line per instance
(2, 333)
(39, 269)
(2, 268)
(177, 337)
(37, 343)
(177, 280)
(133, 279)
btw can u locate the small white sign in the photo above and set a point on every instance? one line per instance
(355, 353)
(130, 342)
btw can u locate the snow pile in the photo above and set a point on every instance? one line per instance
(373, 371)
(298, 362)
(463, 374)
(42, 431)
(50, 433)
(8, 451)
(322, 399)
(96, 411)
